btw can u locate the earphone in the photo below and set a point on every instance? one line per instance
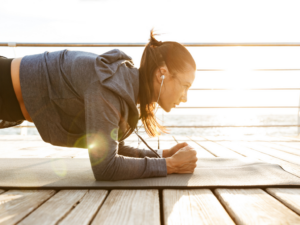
(137, 129)
(162, 77)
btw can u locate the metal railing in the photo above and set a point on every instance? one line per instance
(28, 44)
(296, 44)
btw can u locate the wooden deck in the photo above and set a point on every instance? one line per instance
(153, 206)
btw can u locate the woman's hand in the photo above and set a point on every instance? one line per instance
(169, 152)
(183, 161)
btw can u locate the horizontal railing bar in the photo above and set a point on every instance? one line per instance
(204, 126)
(244, 89)
(221, 126)
(27, 44)
(249, 69)
(232, 107)
(51, 44)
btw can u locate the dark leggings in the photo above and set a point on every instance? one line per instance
(10, 111)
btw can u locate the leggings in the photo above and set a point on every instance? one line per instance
(10, 111)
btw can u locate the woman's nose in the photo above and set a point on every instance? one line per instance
(184, 98)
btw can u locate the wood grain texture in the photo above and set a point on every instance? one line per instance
(294, 145)
(218, 150)
(181, 138)
(16, 204)
(288, 196)
(55, 208)
(167, 144)
(249, 138)
(254, 206)
(129, 207)
(282, 148)
(193, 206)
(166, 137)
(152, 142)
(276, 153)
(201, 152)
(245, 149)
(85, 211)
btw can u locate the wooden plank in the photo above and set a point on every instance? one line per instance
(193, 206)
(197, 138)
(1, 191)
(252, 153)
(86, 210)
(52, 211)
(181, 138)
(288, 196)
(218, 150)
(152, 142)
(16, 204)
(130, 207)
(166, 141)
(201, 152)
(166, 144)
(245, 138)
(282, 148)
(294, 145)
(166, 138)
(292, 138)
(275, 153)
(254, 206)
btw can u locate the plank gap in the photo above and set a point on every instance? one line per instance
(290, 197)
(203, 147)
(71, 209)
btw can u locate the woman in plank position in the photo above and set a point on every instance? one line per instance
(81, 99)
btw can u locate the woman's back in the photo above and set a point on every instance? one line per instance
(54, 85)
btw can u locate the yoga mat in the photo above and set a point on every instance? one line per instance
(77, 173)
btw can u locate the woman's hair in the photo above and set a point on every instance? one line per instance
(176, 58)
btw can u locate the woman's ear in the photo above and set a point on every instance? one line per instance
(161, 71)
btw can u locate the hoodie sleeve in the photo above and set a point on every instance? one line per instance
(102, 109)
(136, 152)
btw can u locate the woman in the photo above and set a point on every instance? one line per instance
(80, 99)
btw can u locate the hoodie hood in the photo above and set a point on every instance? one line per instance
(117, 73)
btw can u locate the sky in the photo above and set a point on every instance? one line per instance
(182, 21)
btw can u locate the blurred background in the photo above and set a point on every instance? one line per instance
(228, 77)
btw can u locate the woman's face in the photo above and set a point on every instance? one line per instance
(174, 89)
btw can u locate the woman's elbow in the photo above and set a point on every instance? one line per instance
(102, 177)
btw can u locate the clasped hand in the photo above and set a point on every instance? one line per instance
(169, 152)
(181, 158)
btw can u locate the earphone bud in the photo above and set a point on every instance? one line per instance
(162, 77)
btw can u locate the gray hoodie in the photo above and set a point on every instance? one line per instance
(81, 99)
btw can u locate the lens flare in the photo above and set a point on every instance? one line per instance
(98, 147)
(59, 167)
(114, 134)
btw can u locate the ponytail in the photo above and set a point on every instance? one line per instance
(156, 54)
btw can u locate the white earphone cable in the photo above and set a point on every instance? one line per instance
(162, 77)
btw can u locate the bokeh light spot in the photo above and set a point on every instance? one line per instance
(114, 134)
(59, 167)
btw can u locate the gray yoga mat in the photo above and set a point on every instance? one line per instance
(77, 173)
